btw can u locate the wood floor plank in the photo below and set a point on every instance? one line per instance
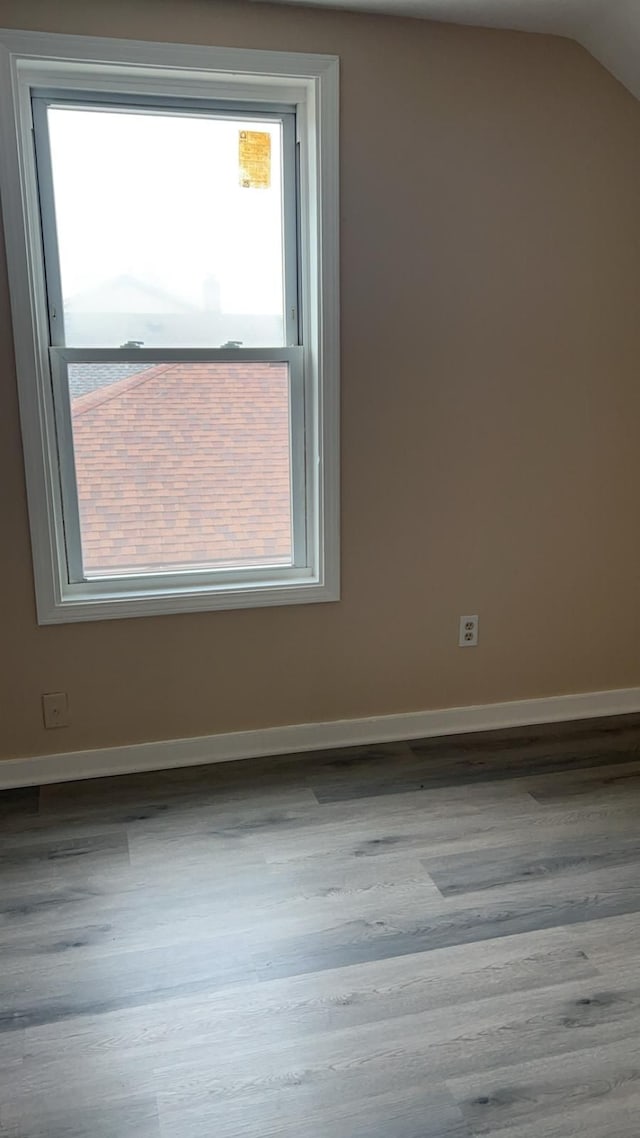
(467, 762)
(62, 858)
(263, 903)
(162, 806)
(592, 1089)
(12, 1047)
(132, 1118)
(19, 804)
(491, 868)
(619, 732)
(606, 781)
(121, 980)
(369, 835)
(331, 1001)
(356, 942)
(613, 945)
(424, 1111)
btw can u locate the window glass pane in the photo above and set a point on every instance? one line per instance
(169, 228)
(181, 465)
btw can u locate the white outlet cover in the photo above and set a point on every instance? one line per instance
(468, 631)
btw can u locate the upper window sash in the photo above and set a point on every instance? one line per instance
(270, 115)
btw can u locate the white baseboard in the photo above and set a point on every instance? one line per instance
(300, 737)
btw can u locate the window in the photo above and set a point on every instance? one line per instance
(173, 462)
(172, 243)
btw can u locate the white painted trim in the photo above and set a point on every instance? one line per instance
(177, 57)
(308, 83)
(301, 737)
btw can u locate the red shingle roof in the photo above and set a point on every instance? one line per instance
(185, 463)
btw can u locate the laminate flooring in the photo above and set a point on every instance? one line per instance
(435, 939)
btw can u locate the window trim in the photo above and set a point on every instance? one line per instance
(309, 85)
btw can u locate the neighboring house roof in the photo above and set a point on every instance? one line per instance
(127, 294)
(198, 329)
(124, 308)
(88, 377)
(185, 463)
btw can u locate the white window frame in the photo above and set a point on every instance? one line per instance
(31, 62)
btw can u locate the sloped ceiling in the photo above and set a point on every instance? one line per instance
(609, 29)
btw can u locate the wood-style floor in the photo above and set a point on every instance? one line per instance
(429, 940)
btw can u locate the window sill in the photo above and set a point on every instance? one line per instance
(71, 607)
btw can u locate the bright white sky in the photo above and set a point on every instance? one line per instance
(158, 198)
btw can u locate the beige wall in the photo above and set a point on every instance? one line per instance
(490, 349)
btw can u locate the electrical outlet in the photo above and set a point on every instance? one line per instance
(468, 634)
(55, 709)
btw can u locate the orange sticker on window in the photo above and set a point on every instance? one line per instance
(255, 159)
